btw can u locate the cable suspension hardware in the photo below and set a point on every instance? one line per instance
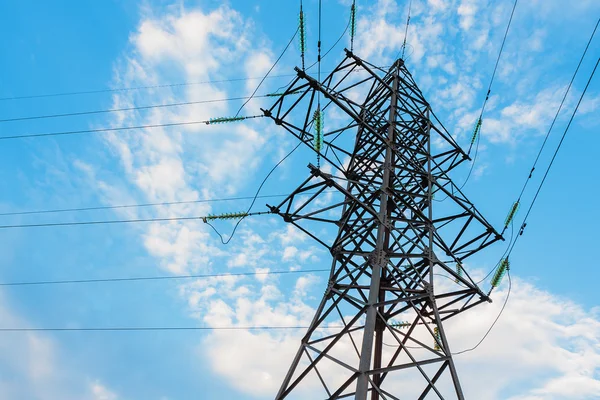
(224, 120)
(400, 324)
(279, 94)
(318, 138)
(406, 30)
(121, 128)
(500, 272)
(352, 25)
(459, 271)
(238, 215)
(437, 337)
(205, 219)
(302, 39)
(476, 131)
(511, 214)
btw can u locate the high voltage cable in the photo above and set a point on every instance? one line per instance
(493, 323)
(225, 242)
(121, 128)
(111, 110)
(148, 107)
(164, 328)
(168, 203)
(476, 134)
(556, 116)
(120, 221)
(406, 31)
(268, 72)
(487, 96)
(156, 278)
(141, 87)
(144, 87)
(524, 224)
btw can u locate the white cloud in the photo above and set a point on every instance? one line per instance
(100, 392)
(467, 12)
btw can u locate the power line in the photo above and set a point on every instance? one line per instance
(112, 110)
(118, 221)
(495, 320)
(164, 328)
(121, 128)
(556, 116)
(153, 106)
(254, 199)
(406, 30)
(524, 224)
(476, 135)
(157, 278)
(125, 89)
(268, 72)
(168, 203)
(487, 96)
(530, 208)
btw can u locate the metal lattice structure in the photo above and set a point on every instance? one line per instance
(378, 331)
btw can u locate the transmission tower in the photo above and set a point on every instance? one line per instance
(397, 270)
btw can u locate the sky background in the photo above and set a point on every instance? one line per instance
(547, 344)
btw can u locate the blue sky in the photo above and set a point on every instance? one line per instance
(550, 330)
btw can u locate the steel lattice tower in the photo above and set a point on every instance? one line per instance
(378, 331)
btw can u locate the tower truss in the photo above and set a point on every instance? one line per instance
(397, 249)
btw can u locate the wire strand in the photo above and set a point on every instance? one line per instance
(495, 320)
(406, 30)
(158, 278)
(268, 72)
(167, 203)
(558, 147)
(114, 110)
(225, 242)
(147, 87)
(487, 96)
(163, 328)
(528, 179)
(116, 221)
(121, 128)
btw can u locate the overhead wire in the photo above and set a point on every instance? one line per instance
(530, 175)
(119, 221)
(558, 147)
(136, 108)
(159, 278)
(177, 104)
(476, 136)
(166, 203)
(225, 242)
(493, 323)
(406, 30)
(150, 204)
(163, 328)
(146, 87)
(524, 223)
(268, 72)
(487, 96)
(114, 129)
